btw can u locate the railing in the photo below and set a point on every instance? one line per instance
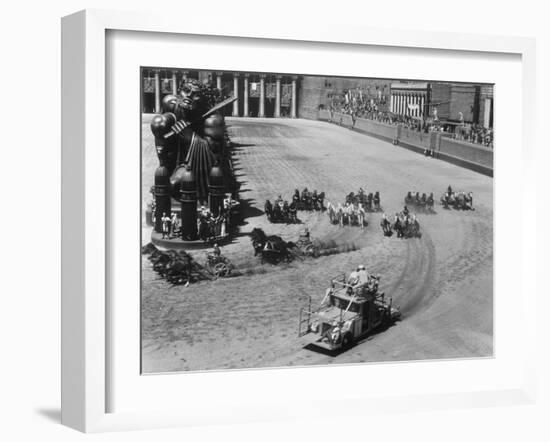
(465, 154)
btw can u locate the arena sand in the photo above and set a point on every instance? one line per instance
(442, 282)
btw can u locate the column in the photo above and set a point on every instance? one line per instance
(236, 94)
(157, 92)
(174, 83)
(184, 75)
(262, 96)
(219, 80)
(293, 104)
(391, 103)
(398, 104)
(400, 107)
(245, 97)
(278, 96)
(487, 112)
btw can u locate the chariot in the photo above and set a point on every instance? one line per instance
(218, 265)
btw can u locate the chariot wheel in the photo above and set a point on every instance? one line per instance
(221, 269)
(310, 250)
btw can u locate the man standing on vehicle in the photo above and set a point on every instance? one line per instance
(362, 275)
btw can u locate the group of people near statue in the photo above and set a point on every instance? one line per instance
(420, 202)
(457, 200)
(404, 224)
(208, 225)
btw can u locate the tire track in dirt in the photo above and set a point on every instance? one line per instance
(420, 276)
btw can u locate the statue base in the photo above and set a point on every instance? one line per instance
(176, 243)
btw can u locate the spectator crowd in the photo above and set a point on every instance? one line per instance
(375, 109)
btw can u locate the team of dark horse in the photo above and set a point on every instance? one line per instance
(420, 203)
(310, 201)
(457, 200)
(404, 224)
(280, 211)
(369, 201)
(274, 249)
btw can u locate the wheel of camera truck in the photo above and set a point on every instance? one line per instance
(346, 341)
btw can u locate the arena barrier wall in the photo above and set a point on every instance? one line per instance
(464, 154)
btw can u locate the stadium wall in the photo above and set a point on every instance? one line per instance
(461, 153)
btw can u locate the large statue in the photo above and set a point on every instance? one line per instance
(189, 137)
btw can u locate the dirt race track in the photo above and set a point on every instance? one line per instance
(442, 282)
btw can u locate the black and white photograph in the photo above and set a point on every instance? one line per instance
(298, 220)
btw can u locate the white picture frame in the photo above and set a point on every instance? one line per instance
(86, 314)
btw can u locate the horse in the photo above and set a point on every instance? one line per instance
(398, 227)
(370, 199)
(430, 202)
(386, 226)
(340, 213)
(268, 209)
(362, 196)
(178, 270)
(446, 200)
(413, 230)
(460, 201)
(286, 212)
(361, 216)
(470, 201)
(351, 215)
(376, 201)
(293, 212)
(332, 213)
(271, 247)
(320, 201)
(277, 213)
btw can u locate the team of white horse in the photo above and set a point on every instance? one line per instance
(347, 214)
